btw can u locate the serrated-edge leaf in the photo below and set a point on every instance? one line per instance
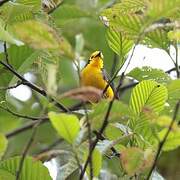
(37, 34)
(149, 73)
(6, 36)
(32, 170)
(146, 98)
(148, 93)
(157, 39)
(162, 8)
(14, 12)
(119, 43)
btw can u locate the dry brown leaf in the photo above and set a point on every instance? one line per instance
(88, 93)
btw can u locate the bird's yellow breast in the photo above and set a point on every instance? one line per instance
(92, 75)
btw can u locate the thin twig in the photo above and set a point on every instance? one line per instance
(22, 116)
(6, 53)
(164, 140)
(177, 65)
(31, 140)
(90, 141)
(154, 26)
(34, 87)
(48, 155)
(11, 87)
(115, 61)
(24, 128)
(172, 69)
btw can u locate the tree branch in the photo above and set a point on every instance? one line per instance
(161, 143)
(22, 116)
(34, 87)
(24, 128)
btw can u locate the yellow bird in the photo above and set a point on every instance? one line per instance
(94, 75)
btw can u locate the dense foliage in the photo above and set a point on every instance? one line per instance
(43, 46)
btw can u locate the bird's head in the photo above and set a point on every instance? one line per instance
(96, 59)
(96, 55)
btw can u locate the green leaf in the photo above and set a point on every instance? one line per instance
(150, 94)
(66, 125)
(14, 12)
(119, 113)
(3, 144)
(65, 13)
(119, 43)
(174, 35)
(36, 4)
(132, 160)
(8, 122)
(162, 8)
(125, 7)
(37, 34)
(173, 140)
(157, 39)
(6, 36)
(96, 163)
(125, 19)
(148, 73)
(6, 175)
(130, 25)
(173, 96)
(32, 169)
(147, 98)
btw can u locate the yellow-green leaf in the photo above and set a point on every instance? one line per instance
(31, 170)
(148, 94)
(173, 140)
(174, 35)
(3, 144)
(66, 125)
(36, 34)
(6, 175)
(6, 36)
